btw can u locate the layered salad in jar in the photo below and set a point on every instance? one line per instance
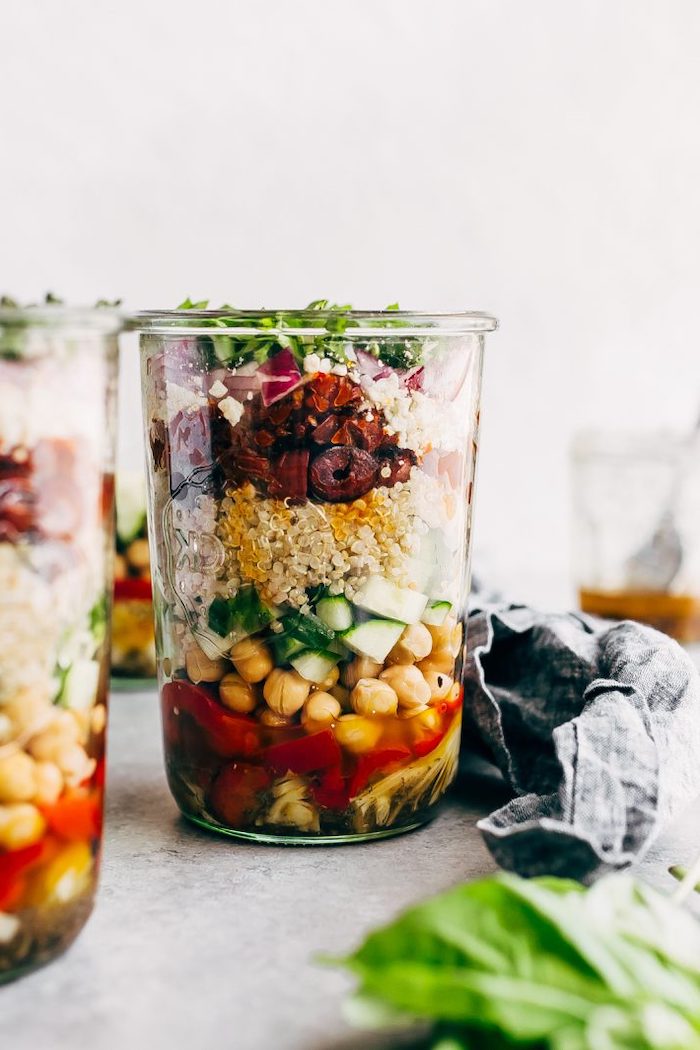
(133, 637)
(55, 540)
(312, 478)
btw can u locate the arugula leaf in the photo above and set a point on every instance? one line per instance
(539, 963)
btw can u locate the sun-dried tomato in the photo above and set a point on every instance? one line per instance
(398, 461)
(289, 475)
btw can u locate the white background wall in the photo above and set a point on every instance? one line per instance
(538, 159)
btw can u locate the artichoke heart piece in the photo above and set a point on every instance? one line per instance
(407, 789)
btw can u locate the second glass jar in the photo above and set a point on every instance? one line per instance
(311, 480)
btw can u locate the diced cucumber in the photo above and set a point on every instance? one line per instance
(337, 647)
(382, 597)
(314, 665)
(436, 613)
(79, 691)
(130, 498)
(284, 647)
(307, 629)
(374, 638)
(335, 612)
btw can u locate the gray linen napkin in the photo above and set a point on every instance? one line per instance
(595, 726)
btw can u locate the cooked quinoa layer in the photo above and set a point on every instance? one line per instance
(288, 550)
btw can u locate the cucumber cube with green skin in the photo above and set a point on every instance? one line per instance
(383, 598)
(374, 638)
(79, 691)
(436, 613)
(284, 647)
(335, 611)
(308, 629)
(314, 665)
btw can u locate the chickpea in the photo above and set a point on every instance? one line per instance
(285, 691)
(62, 732)
(200, 668)
(414, 644)
(252, 659)
(360, 667)
(272, 720)
(331, 678)
(342, 695)
(6, 730)
(20, 825)
(408, 683)
(137, 555)
(237, 694)
(357, 734)
(74, 763)
(17, 781)
(440, 661)
(121, 569)
(28, 710)
(371, 696)
(48, 781)
(98, 719)
(320, 707)
(447, 636)
(428, 720)
(440, 685)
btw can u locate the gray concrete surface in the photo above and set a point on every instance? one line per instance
(199, 942)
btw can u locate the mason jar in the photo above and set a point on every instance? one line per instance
(311, 485)
(636, 508)
(57, 385)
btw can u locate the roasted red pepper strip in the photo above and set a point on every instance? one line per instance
(132, 589)
(77, 817)
(11, 892)
(230, 736)
(373, 762)
(332, 791)
(235, 794)
(11, 864)
(427, 744)
(305, 754)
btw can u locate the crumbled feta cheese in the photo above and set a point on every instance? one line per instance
(231, 409)
(350, 353)
(218, 389)
(339, 370)
(312, 363)
(325, 366)
(181, 399)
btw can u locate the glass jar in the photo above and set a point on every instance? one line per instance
(636, 499)
(133, 637)
(311, 483)
(57, 384)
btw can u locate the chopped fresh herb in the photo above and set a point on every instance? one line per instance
(245, 613)
(234, 350)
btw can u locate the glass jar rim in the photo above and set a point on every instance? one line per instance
(361, 323)
(106, 320)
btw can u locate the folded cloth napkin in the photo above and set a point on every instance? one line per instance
(595, 725)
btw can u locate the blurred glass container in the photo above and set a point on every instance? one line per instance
(623, 485)
(133, 638)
